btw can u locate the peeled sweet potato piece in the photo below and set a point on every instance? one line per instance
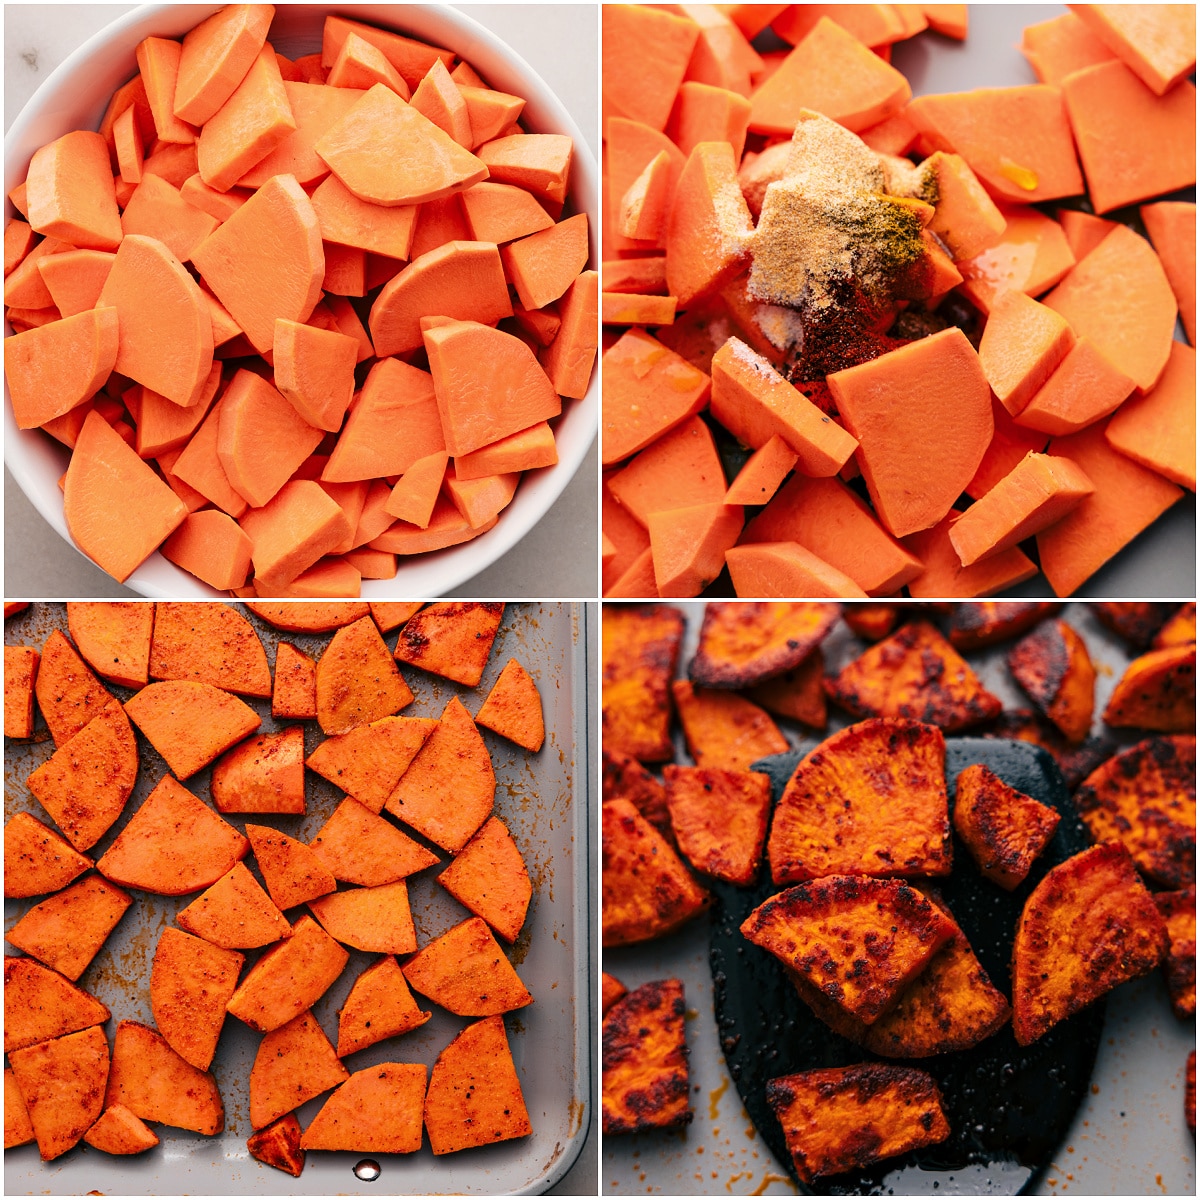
(68, 694)
(626, 779)
(720, 819)
(40, 1004)
(20, 671)
(295, 693)
(859, 940)
(917, 674)
(611, 990)
(797, 693)
(235, 913)
(376, 1111)
(1179, 629)
(978, 623)
(37, 860)
(1145, 798)
(451, 639)
(18, 1130)
(640, 646)
(474, 1095)
(119, 1131)
(1005, 830)
(1179, 912)
(154, 1083)
(1157, 692)
(1137, 621)
(292, 871)
(359, 847)
(368, 762)
(278, 1145)
(172, 845)
(375, 919)
(645, 1060)
(294, 1063)
(114, 639)
(191, 981)
(309, 618)
(466, 972)
(209, 643)
(724, 729)
(262, 774)
(647, 891)
(1088, 926)
(869, 800)
(513, 708)
(488, 876)
(837, 1119)
(62, 1084)
(1053, 666)
(380, 1005)
(357, 681)
(744, 643)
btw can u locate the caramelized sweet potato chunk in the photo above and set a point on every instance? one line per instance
(1053, 666)
(121, 1132)
(1145, 798)
(611, 990)
(626, 779)
(452, 639)
(798, 693)
(871, 622)
(1089, 925)
(209, 643)
(645, 1060)
(1075, 762)
(720, 819)
(1005, 830)
(724, 729)
(1179, 912)
(640, 648)
(1180, 628)
(917, 674)
(838, 1119)
(978, 623)
(1137, 621)
(743, 643)
(1157, 692)
(279, 1145)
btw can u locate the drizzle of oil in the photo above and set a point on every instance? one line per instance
(769, 1178)
(714, 1098)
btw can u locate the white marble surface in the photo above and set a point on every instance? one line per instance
(558, 559)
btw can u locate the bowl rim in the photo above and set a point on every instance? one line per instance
(36, 461)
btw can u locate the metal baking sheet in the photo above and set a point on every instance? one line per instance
(543, 799)
(1128, 1137)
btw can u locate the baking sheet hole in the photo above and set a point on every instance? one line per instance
(367, 1170)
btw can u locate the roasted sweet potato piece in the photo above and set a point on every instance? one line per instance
(513, 708)
(85, 783)
(291, 870)
(724, 729)
(190, 724)
(837, 1119)
(369, 761)
(119, 1131)
(626, 779)
(869, 800)
(1157, 692)
(375, 919)
(1137, 621)
(645, 1060)
(37, 860)
(357, 681)
(209, 643)
(1075, 762)
(67, 930)
(391, 615)
(68, 694)
(640, 647)
(62, 1083)
(263, 774)
(872, 622)
(453, 762)
(18, 1130)
(40, 1004)
(1179, 630)
(1052, 664)
(742, 643)
(376, 1111)
(488, 876)
(153, 1082)
(289, 978)
(859, 940)
(978, 623)
(1089, 925)
(20, 673)
(917, 674)
(474, 1095)
(235, 913)
(359, 847)
(464, 970)
(1145, 798)
(647, 891)
(797, 693)
(114, 639)
(1179, 911)
(1005, 830)
(380, 1005)
(295, 694)
(172, 845)
(720, 819)
(611, 990)
(452, 639)
(279, 1145)
(294, 1063)
(305, 617)
(191, 981)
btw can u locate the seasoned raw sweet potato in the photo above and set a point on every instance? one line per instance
(513, 708)
(720, 819)
(68, 694)
(1089, 925)
(357, 680)
(798, 693)
(375, 919)
(18, 1131)
(294, 1063)
(36, 859)
(869, 800)
(647, 891)
(1053, 666)
(837, 1119)
(309, 618)
(742, 644)
(859, 940)
(1137, 621)
(724, 729)
(488, 876)
(645, 1060)
(978, 623)
(391, 615)
(640, 647)
(359, 847)
(376, 1111)
(40, 1004)
(114, 638)
(915, 673)
(369, 761)
(1145, 798)
(464, 970)
(295, 690)
(611, 990)
(452, 639)
(279, 1145)
(20, 672)
(121, 1132)
(262, 774)
(235, 913)
(1075, 762)
(1179, 911)
(626, 779)
(209, 643)
(1157, 692)
(380, 1005)
(1005, 830)
(291, 870)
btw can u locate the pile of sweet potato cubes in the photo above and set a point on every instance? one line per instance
(183, 668)
(865, 827)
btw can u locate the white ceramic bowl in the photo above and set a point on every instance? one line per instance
(75, 95)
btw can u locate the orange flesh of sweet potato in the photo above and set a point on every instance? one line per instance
(1053, 666)
(379, 1006)
(870, 800)
(308, 618)
(292, 871)
(465, 970)
(37, 860)
(114, 639)
(119, 1131)
(786, 569)
(40, 1005)
(1157, 692)
(235, 913)
(513, 708)
(377, 1110)
(744, 644)
(360, 847)
(944, 573)
(1179, 911)
(488, 876)
(640, 646)
(20, 671)
(262, 774)
(1172, 228)
(626, 779)
(720, 819)
(375, 919)
(278, 1145)
(1179, 629)
(209, 643)
(68, 694)
(357, 681)
(1023, 343)
(973, 626)
(295, 693)
(368, 762)
(612, 989)
(451, 639)
(294, 1063)
(645, 1061)
(1089, 925)
(797, 693)
(724, 729)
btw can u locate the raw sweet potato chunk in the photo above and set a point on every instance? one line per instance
(68, 694)
(837, 1119)
(1145, 798)
(360, 847)
(173, 844)
(513, 708)
(916, 674)
(743, 644)
(295, 691)
(37, 860)
(724, 729)
(379, 1006)
(377, 1110)
(114, 639)
(720, 819)
(119, 1131)
(191, 981)
(488, 876)
(451, 639)
(235, 913)
(1157, 691)
(645, 1060)
(278, 1145)
(368, 762)
(209, 643)
(294, 1063)
(465, 971)
(1053, 666)
(20, 671)
(357, 681)
(39, 1004)
(1005, 830)
(870, 800)
(154, 1083)
(292, 871)
(1089, 925)
(262, 774)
